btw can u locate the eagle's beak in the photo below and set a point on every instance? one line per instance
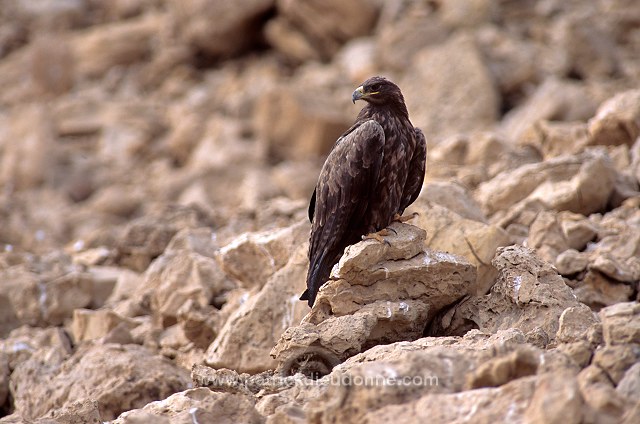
(357, 95)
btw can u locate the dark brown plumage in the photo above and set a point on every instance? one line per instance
(374, 171)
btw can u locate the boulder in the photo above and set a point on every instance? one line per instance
(248, 335)
(254, 257)
(89, 373)
(617, 120)
(444, 76)
(378, 293)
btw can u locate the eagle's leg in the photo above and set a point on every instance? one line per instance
(378, 235)
(398, 218)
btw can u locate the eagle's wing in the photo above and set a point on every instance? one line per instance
(341, 197)
(415, 177)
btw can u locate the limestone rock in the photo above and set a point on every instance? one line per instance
(254, 257)
(91, 325)
(580, 184)
(574, 323)
(444, 76)
(449, 232)
(237, 27)
(621, 323)
(143, 377)
(617, 121)
(248, 335)
(526, 286)
(378, 293)
(196, 405)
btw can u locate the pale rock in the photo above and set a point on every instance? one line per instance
(117, 201)
(525, 287)
(555, 100)
(597, 290)
(91, 325)
(454, 197)
(147, 237)
(358, 59)
(615, 360)
(556, 400)
(293, 125)
(580, 184)
(52, 65)
(621, 323)
(199, 323)
(572, 262)
(629, 385)
(98, 49)
(574, 323)
(317, 29)
(199, 405)
(244, 342)
(252, 258)
(236, 31)
(577, 229)
(556, 138)
(24, 342)
(507, 402)
(142, 377)
(378, 293)
(444, 77)
(179, 276)
(617, 120)
(28, 145)
(546, 236)
(475, 240)
(602, 402)
(126, 284)
(467, 14)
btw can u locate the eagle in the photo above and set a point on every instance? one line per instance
(373, 172)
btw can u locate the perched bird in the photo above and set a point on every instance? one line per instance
(374, 171)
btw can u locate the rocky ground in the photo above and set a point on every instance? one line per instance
(156, 159)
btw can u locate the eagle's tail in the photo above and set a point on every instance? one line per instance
(319, 272)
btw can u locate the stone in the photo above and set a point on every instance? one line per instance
(580, 184)
(91, 325)
(629, 385)
(254, 257)
(454, 197)
(98, 49)
(197, 405)
(449, 232)
(556, 399)
(263, 315)
(525, 286)
(546, 236)
(617, 120)
(444, 76)
(615, 360)
(597, 291)
(316, 30)
(142, 377)
(574, 323)
(554, 99)
(577, 230)
(238, 28)
(378, 293)
(621, 323)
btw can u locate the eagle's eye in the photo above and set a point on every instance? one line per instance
(375, 87)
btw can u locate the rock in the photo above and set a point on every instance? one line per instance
(178, 276)
(556, 138)
(146, 238)
(555, 100)
(629, 385)
(27, 164)
(621, 323)
(525, 286)
(5, 372)
(99, 49)
(24, 342)
(52, 65)
(444, 76)
(378, 293)
(580, 184)
(449, 232)
(597, 291)
(617, 120)
(254, 257)
(547, 237)
(556, 400)
(574, 323)
(453, 197)
(602, 402)
(238, 27)
(142, 377)
(577, 230)
(91, 325)
(264, 315)
(291, 125)
(615, 360)
(197, 405)
(315, 30)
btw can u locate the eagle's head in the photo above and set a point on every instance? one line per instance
(378, 91)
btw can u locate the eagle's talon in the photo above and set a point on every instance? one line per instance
(398, 218)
